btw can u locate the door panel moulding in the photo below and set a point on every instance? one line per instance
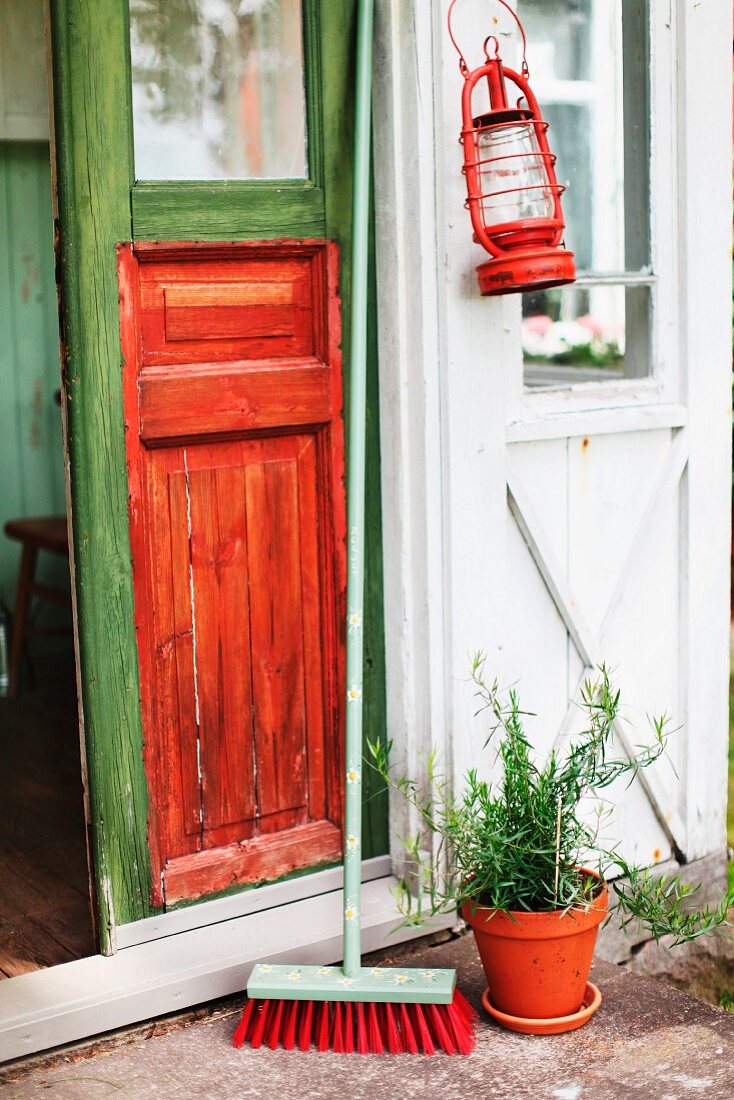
(603, 421)
(245, 903)
(69, 1002)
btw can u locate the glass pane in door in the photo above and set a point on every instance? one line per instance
(218, 89)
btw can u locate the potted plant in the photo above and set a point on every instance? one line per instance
(523, 860)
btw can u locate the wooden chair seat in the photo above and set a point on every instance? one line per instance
(48, 533)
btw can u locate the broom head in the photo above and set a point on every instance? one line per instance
(381, 1011)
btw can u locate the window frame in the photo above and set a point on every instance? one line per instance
(266, 209)
(661, 385)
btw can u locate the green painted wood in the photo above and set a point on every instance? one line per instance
(338, 26)
(369, 983)
(100, 206)
(94, 166)
(31, 454)
(356, 456)
(226, 210)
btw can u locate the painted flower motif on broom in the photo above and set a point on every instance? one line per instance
(294, 976)
(350, 910)
(354, 693)
(353, 775)
(352, 844)
(354, 621)
(402, 979)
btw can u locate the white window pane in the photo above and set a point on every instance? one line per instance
(218, 89)
(584, 334)
(590, 71)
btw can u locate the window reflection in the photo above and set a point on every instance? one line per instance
(218, 89)
(589, 68)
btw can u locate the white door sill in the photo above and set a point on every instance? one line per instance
(69, 1002)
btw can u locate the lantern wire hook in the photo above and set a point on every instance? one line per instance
(491, 38)
(463, 67)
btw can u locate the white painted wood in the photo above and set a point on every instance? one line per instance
(409, 268)
(480, 352)
(610, 480)
(610, 419)
(590, 650)
(68, 1002)
(704, 312)
(23, 85)
(664, 385)
(244, 903)
(535, 634)
(446, 464)
(550, 569)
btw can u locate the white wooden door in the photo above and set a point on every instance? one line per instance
(580, 522)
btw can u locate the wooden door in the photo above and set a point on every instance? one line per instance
(235, 459)
(232, 376)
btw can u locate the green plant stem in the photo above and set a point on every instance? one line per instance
(519, 844)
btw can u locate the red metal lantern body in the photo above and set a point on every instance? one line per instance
(513, 196)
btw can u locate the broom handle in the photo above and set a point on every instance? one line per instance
(356, 489)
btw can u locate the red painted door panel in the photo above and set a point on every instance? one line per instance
(235, 461)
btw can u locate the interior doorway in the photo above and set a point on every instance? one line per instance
(45, 915)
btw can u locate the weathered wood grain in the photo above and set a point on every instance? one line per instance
(259, 860)
(237, 210)
(238, 545)
(96, 183)
(337, 25)
(94, 171)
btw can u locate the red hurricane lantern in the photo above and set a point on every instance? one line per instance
(513, 196)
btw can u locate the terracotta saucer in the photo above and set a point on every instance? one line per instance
(554, 1026)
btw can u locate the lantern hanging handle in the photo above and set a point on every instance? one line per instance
(463, 67)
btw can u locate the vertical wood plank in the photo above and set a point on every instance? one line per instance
(94, 169)
(221, 610)
(276, 617)
(167, 629)
(318, 629)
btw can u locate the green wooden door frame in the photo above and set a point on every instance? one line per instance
(100, 205)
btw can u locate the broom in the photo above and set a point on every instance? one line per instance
(354, 1008)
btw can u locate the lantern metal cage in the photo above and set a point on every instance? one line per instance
(513, 196)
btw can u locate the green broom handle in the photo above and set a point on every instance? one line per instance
(356, 490)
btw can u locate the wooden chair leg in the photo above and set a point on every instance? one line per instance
(22, 602)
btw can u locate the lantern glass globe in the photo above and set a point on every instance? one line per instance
(513, 175)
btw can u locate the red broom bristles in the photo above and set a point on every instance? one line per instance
(337, 1038)
(241, 1030)
(362, 1047)
(323, 1038)
(407, 1031)
(375, 1035)
(423, 1035)
(273, 1033)
(304, 1038)
(261, 1018)
(394, 1043)
(289, 1035)
(367, 1027)
(348, 1028)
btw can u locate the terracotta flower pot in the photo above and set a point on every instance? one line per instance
(537, 964)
